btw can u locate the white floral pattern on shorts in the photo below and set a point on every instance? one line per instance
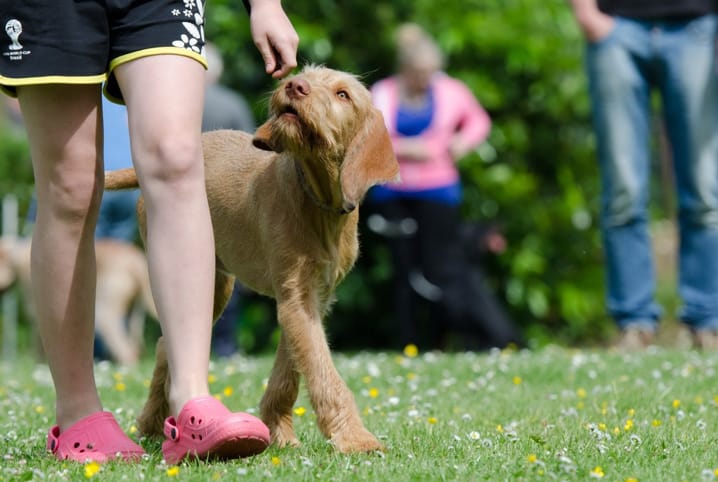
(193, 39)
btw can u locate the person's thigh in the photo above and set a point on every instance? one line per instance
(164, 96)
(690, 94)
(63, 126)
(620, 95)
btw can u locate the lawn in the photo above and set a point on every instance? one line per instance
(548, 414)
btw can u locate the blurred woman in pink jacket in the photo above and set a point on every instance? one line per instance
(434, 120)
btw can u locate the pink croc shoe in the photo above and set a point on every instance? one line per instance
(97, 437)
(206, 429)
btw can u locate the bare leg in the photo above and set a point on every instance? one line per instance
(164, 96)
(64, 130)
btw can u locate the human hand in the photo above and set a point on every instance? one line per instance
(412, 149)
(594, 24)
(274, 36)
(458, 148)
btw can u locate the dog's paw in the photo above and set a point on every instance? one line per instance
(353, 441)
(284, 437)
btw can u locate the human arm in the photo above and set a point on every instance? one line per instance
(594, 24)
(474, 123)
(274, 36)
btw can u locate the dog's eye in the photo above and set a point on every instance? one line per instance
(342, 94)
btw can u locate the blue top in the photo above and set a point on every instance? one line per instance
(412, 122)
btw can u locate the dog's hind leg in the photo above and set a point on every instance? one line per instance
(156, 409)
(279, 398)
(223, 286)
(337, 414)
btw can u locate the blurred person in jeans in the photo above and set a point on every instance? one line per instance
(633, 48)
(433, 120)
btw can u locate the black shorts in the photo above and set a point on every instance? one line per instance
(83, 41)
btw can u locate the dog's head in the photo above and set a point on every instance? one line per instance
(326, 114)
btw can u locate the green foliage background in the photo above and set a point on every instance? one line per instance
(536, 175)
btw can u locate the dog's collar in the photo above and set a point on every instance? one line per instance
(308, 191)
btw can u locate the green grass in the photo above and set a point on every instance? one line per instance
(550, 414)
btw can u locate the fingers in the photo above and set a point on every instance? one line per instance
(275, 38)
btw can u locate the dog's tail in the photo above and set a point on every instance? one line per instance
(121, 179)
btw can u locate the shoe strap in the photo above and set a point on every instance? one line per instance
(171, 429)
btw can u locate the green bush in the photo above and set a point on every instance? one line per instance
(536, 175)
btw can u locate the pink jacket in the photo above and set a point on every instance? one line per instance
(456, 110)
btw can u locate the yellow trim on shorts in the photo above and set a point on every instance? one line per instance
(157, 51)
(122, 59)
(6, 82)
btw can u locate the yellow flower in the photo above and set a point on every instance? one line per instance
(366, 379)
(631, 412)
(276, 461)
(698, 400)
(432, 420)
(499, 428)
(715, 472)
(631, 479)
(517, 380)
(117, 376)
(212, 378)
(616, 430)
(597, 472)
(299, 411)
(120, 387)
(373, 392)
(602, 426)
(628, 425)
(581, 393)
(228, 391)
(173, 471)
(410, 376)
(91, 468)
(411, 350)
(676, 403)
(532, 458)
(133, 429)
(656, 422)
(39, 409)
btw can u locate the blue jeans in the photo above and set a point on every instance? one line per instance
(678, 60)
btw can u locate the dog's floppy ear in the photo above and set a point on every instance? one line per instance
(369, 160)
(263, 137)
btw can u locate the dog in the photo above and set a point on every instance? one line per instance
(284, 211)
(123, 288)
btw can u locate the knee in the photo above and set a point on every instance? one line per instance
(72, 197)
(173, 160)
(622, 206)
(703, 215)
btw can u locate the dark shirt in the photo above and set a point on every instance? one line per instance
(655, 9)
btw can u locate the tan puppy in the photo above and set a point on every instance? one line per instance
(123, 288)
(285, 224)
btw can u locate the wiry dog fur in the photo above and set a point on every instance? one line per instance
(283, 206)
(123, 289)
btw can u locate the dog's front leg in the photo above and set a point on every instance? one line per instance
(279, 398)
(337, 414)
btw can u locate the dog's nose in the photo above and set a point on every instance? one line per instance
(297, 88)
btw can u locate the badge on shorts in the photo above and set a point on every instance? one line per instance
(15, 51)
